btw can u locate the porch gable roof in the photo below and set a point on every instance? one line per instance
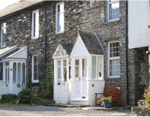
(7, 51)
(91, 42)
(63, 49)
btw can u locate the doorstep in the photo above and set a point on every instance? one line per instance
(106, 109)
(67, 105)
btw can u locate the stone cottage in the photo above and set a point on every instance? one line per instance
(33, 32)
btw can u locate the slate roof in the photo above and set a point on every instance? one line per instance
(91, 42)
(5, 51)
(68, 47)
(20, 49)
(18, 6)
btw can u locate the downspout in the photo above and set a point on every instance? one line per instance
(45, 38)
(127, 52)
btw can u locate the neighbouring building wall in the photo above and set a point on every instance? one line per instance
(139, 21)
(138, 74)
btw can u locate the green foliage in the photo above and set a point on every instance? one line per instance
(8, 99)
(36, 99)
(147, 98)
(47, 86)
(24, 95)
(106, 100)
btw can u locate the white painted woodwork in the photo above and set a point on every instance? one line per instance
(139, 20)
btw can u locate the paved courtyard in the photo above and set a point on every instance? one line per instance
(26, 110)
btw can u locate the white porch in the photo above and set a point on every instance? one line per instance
(83, 65)
(14, 70)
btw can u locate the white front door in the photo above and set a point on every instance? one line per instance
(80, 79)
(62, 85)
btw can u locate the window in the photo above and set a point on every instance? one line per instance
(113, 10)
(76, 68)
(59, 69)
(35, 24)
(14, 72)
(35, 78)
(65, 70)
(114, 59)
(60, 17)
(84, 67)
(3, 34)
(97, 67)
(19, 74)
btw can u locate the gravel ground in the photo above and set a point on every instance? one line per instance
(7, 110)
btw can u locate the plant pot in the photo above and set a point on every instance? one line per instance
(108, 105)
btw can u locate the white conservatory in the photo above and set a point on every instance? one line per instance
(79, 70)
(14, 69)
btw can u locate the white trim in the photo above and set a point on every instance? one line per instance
(60, 57)
(111, 58)
(108, 11)
(3, 28)
(34, 81)
(37, 24)
(63, 20)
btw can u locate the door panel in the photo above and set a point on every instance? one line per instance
(80, 81)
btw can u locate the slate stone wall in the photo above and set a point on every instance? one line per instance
(79, 15)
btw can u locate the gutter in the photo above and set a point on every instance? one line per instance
(127, 52)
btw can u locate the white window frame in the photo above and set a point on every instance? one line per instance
(62, 69)
(102, 67)
(3, 28)
(37, 25)
(34, 81)
(108, 10)
(111, 58)
(62, 30)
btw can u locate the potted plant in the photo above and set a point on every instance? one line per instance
(107, 102)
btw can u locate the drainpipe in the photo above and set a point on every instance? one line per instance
(127, 52)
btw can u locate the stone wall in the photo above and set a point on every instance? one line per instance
(138, 74)
(79, 15)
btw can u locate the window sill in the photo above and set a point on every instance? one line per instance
(37, 81)
(59, 33)
(113, 21)
(112, 78)
(34, 38)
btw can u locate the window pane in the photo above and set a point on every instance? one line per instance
(114, 67)
(65, 70)
(76, 68)
(99, 67)
(3, 34)
(114, 49)
(35, 67)
(23, 73)
(19, 74)
(93, 67)
(14, 72)
(60, 18)
(84, 67)
(59, 73)
(114, 11)
(6, 75)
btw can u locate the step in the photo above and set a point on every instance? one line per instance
(67, 105)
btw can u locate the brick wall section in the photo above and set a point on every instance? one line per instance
(80, 15)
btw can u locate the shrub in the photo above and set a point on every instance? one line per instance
(37, 100)
(47, 85)
(24, 95)
(8, 99)
(147, 98)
